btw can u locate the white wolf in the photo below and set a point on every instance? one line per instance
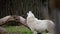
(39, 25)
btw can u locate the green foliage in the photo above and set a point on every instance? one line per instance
(18, 29)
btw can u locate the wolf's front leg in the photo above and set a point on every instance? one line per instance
(34, 32)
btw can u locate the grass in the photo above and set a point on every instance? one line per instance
(18, 29)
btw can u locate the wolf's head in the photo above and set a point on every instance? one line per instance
(30, 14)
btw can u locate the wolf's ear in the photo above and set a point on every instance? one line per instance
(30, 12)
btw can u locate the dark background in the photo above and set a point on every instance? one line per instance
(43, 9)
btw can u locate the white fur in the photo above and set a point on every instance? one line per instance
(39, 25)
